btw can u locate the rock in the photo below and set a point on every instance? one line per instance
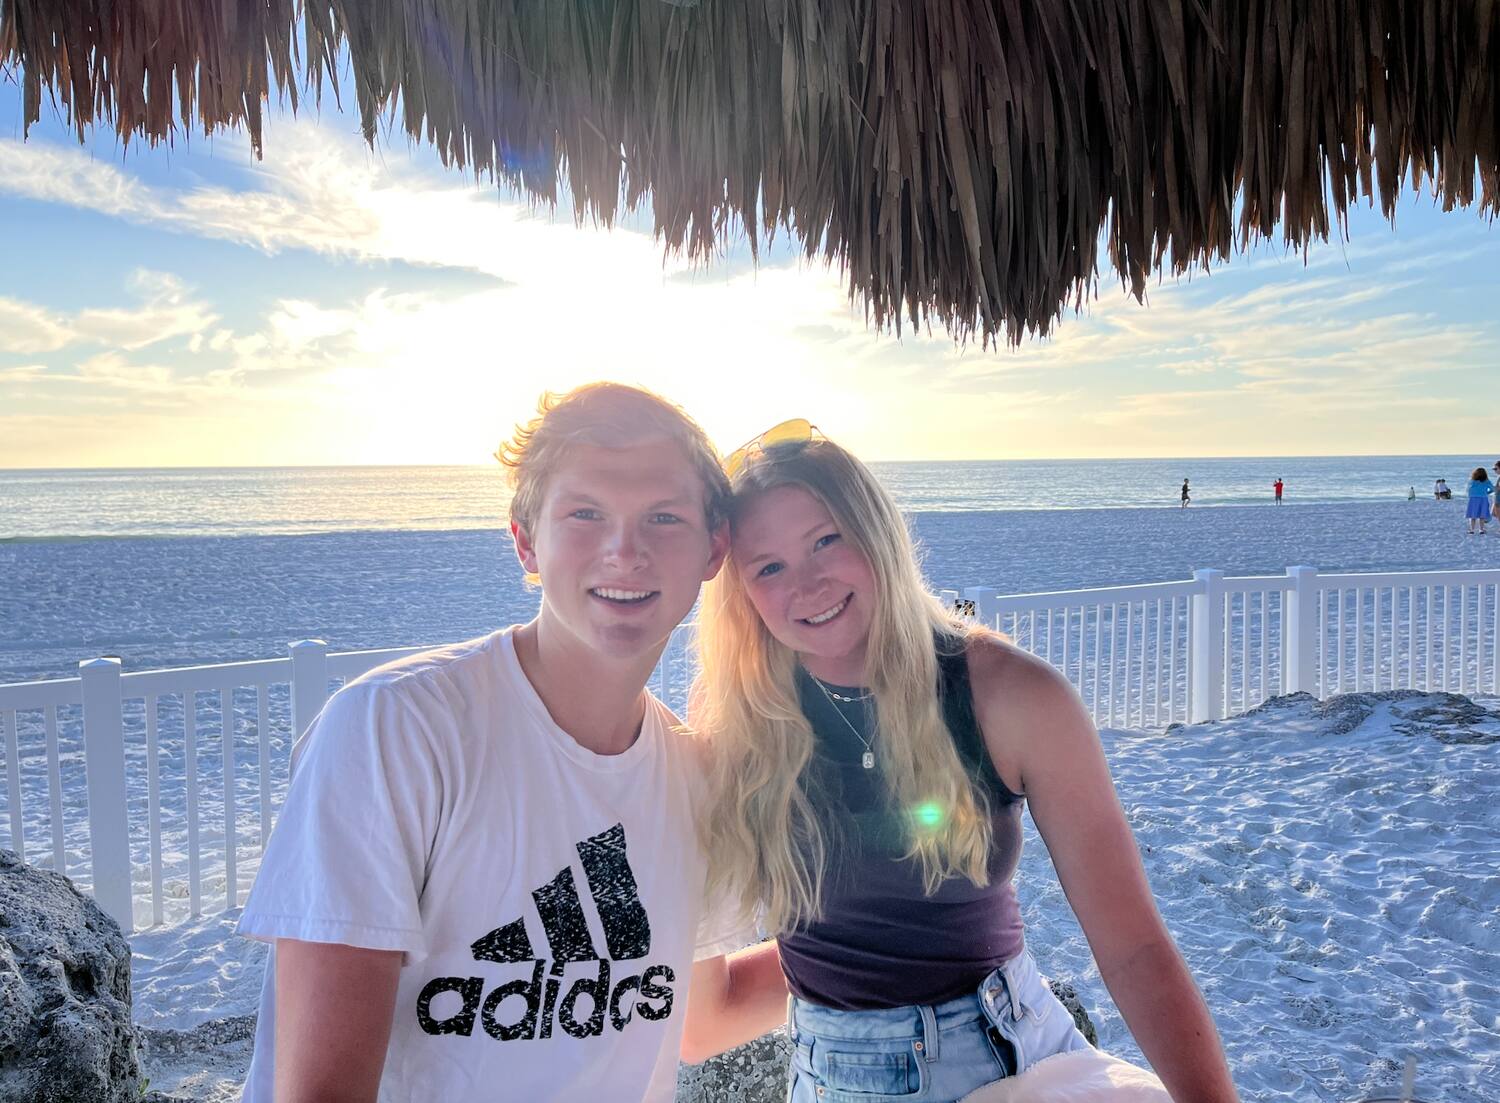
(158, 1044)
(203, 1064)
(753, 1073)
(65, 1032)
(1067, 995)
(756, 1072)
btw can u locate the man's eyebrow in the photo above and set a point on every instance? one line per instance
(677, 501)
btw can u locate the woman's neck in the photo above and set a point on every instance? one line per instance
(846, 670)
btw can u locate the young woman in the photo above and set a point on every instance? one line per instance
(871, 761)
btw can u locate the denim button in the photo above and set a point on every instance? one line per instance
(918, 1047)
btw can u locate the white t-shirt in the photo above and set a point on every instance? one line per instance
(546, 898)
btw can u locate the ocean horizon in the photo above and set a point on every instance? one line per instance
(84, 503)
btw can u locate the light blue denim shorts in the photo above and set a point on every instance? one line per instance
(929, 1054)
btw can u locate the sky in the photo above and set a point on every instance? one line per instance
(190, 306)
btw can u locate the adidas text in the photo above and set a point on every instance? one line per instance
(527, 1009)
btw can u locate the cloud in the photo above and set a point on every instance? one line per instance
(164, 312)
(111, 379)
(326, 192)
(28, 329)
(24, 373)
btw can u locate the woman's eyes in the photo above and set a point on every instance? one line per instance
(586, 514)
(665, 519)
(776, 568)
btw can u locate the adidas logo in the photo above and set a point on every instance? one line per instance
(526, 1009)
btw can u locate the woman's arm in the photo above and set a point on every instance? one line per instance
(1042, 740)
(733, 999)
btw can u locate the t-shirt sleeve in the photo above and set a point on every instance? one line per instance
(723, 929)
(347, 860)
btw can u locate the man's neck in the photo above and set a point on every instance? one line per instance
(600, 704)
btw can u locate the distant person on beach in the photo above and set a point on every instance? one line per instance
(1186, 498)
(872, 756)
(486, 881)
(1440, 490)
(1411, 494)
(1480, 489)
(1277, 485)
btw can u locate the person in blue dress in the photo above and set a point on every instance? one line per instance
(1480, 489)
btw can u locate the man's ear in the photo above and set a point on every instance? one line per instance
(719, 549)
(525, 547)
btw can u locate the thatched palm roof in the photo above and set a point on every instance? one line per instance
(957, 157)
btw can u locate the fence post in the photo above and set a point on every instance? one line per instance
(1206, 658)
(986, 607)
(1299, 629)
(309, 683)
(104, 774)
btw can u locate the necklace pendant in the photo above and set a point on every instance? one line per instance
(867, 760)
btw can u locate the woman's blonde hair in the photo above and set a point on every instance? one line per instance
(766, 847)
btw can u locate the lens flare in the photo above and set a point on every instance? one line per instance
(930, 815)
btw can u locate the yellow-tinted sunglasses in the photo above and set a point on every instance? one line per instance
(798, 430)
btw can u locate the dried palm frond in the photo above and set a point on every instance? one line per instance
(958, 158)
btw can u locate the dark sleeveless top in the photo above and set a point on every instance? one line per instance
(881, 941)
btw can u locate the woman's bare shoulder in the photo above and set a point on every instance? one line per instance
(998, 669)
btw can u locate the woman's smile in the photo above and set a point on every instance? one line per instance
(828, 614)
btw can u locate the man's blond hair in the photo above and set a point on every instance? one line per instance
(611, 415)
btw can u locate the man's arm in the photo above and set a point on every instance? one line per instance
(733, 999)
(334, 1006)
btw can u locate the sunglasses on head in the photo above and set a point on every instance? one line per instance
(797, 430)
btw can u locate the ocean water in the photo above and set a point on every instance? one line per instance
(52, 504)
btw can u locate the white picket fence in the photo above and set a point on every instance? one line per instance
(109, 733)
(1210, 646)
(138, 811)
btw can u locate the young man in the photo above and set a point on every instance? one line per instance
(485, 883)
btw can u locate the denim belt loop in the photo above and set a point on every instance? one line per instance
(1012, 990)
(929, 1033)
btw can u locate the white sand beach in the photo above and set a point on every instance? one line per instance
(176, 601)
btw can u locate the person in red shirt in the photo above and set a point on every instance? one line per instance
(1277, 486)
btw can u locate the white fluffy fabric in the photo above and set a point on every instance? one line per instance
(1082, 1076)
